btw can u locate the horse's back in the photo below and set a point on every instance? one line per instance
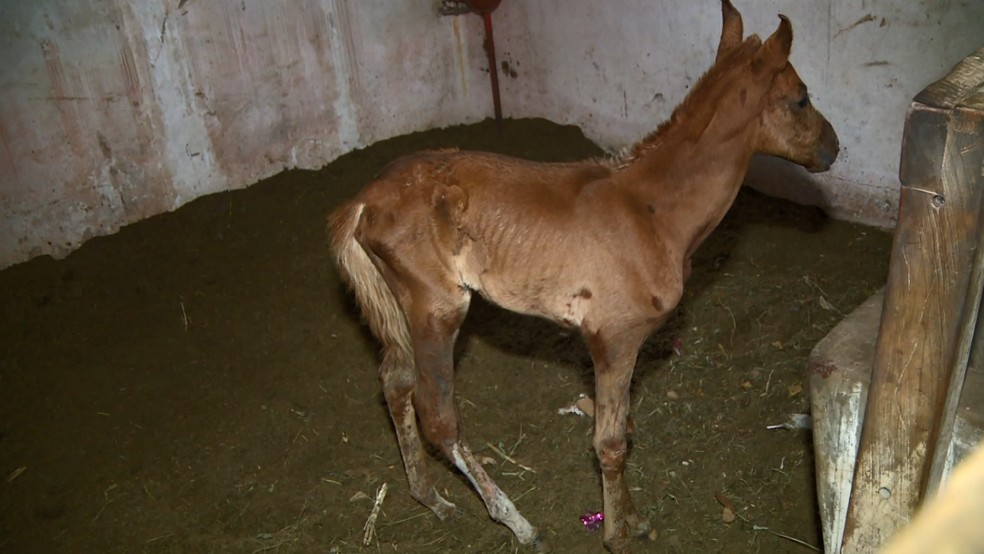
(476, 191)
(487, 171)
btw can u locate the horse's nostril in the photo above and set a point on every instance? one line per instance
(825, 159)
(829, 148)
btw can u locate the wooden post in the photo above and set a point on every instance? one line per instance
(952, 521)
(964, 389)
(932, 254)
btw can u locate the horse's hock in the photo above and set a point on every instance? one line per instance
(898, 386)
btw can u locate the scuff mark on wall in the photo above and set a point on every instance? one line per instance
(866, 19)
(348, 84)
(61, 95)
(134, 168)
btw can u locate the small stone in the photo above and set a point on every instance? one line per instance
(586, 405)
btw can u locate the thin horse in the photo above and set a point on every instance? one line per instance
(601, 246)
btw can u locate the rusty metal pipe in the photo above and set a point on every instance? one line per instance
(493, 70)
(483, 8)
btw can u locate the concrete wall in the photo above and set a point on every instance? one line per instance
(115, 110)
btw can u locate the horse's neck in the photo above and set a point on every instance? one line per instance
(689, 188)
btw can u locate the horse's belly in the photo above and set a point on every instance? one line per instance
(519, 290)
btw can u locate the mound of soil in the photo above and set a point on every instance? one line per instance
(200, 382)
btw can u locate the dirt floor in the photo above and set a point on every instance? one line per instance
(200, 382)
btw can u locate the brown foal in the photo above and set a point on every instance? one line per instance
(601, 246)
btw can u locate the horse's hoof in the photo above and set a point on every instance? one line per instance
(638, 526)
(539, 545)
(620, 545)
(635, 528)
(642, 528)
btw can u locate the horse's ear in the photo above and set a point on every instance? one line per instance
(774, 53)
(731, 29)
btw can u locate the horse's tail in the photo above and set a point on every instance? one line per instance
(379, 306)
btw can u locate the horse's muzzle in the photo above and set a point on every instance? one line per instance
(826, 151)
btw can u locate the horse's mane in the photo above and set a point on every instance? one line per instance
(697, 108)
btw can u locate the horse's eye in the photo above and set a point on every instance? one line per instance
(804, 102)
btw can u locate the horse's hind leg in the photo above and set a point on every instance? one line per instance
(434, 328)
(397, 377)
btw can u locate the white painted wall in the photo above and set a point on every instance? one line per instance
(618, 68)
(115, 110)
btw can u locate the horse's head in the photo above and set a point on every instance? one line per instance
(789, 126)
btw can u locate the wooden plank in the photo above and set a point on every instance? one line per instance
(840, 369)
(932, 253)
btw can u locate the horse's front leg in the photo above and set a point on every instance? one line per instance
(614, 357)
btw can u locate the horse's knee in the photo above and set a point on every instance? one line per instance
(611, 453)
